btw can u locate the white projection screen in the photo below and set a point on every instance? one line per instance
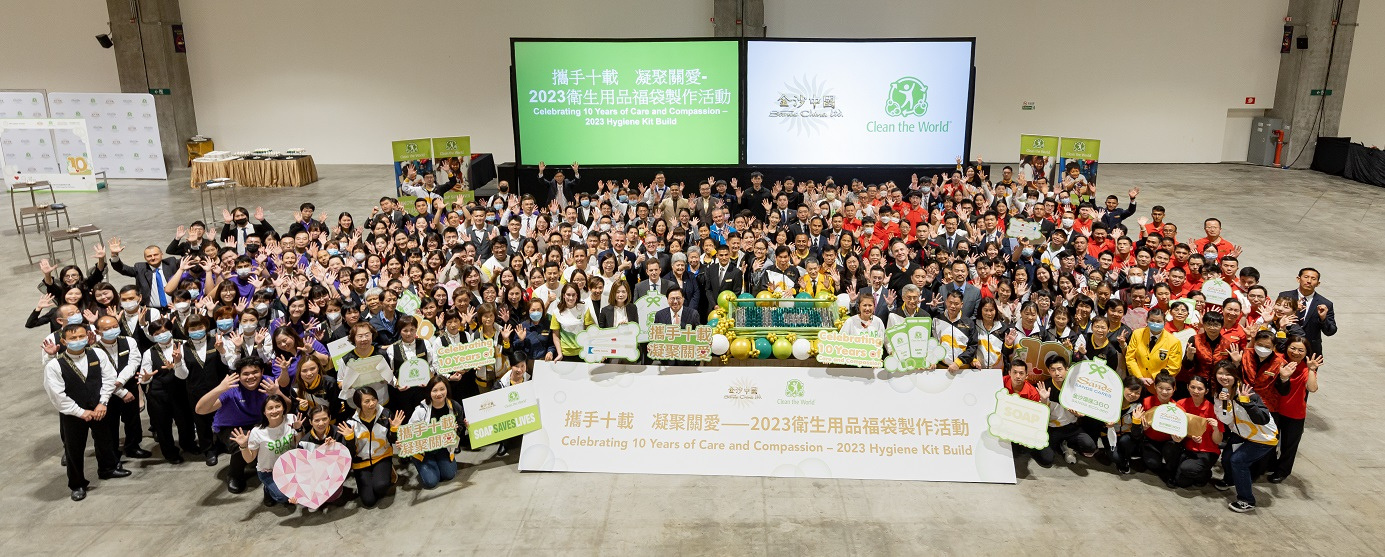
(818, 102)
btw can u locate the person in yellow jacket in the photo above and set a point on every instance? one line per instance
(1151, 350)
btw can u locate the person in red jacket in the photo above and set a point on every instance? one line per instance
(1205, 349)
(1161, 452)
(1260, 367)
(1018, 381)
(1231, 322)
(1200, 451)
(1297, 377)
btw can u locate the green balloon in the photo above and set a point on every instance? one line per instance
(724, 299)
(783, 348)
(803, 296)
(766, 350)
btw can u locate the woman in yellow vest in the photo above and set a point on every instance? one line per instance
(1250, 434)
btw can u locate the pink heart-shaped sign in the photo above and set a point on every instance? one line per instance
(312, 477)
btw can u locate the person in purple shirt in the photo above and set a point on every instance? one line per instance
(238, 402)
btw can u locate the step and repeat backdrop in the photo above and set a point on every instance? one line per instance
(759, 102)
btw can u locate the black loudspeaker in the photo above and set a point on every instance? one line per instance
(506, 172)
(105, 40)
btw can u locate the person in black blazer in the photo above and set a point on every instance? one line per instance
(687, 317)
(655, 271)
(880, 290)
(1315, 312)
(719, 277)
(560, 189)
(239, 229)
(619, 302)
(150, 276)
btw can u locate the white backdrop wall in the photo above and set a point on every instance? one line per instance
(1153, 80)
(1363, 115)
(49, 44)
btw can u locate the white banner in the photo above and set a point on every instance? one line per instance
(27, 151)
(767, 421)
(124, 131)
(73, 172)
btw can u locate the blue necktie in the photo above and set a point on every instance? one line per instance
(159, 287)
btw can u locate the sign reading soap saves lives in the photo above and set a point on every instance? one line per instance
(766, 421)
(501, 414)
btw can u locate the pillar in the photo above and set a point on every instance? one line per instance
(738, 18)
(148, 61)
(1312, 81)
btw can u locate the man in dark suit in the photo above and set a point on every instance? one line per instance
(655, 282)
(625, 259)
(1315, 311)
(971, 295)
(676, 314)
(950, 235)
(880, 290)
(560, 189)
(239, 229)
(150, 276)
(719, 277)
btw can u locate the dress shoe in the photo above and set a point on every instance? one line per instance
(138, 453)
(64, 460)
(176, 459)
(235, 485)
(269, 501)
(117, 473)
(79, 494)
(1276, 478)
(211, 458)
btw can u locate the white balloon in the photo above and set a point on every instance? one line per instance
(720, 344)
(843, 301)
(801, 347)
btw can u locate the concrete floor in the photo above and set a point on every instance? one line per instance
(1285, 219)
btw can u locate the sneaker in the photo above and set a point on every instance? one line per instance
(1221, 485)
(1276, 478)
(1240, 506)
(1069, 455)
(269, 501)
(1124, 468)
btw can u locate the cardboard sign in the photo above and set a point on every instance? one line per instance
(1169, 418)
(1034, 352)
(471, 355)
(647, 306)
(338, 349)
(1216, 291)
(310, 478)
(421, 437)
(1019, 420)
(850, 350)
(1093, 389)
(912, 346)
(616, 342)
(501, 414)
(667, 342)
(365, 371)
(408, 303)
(413, 373)
(1023, 229)
(426, 329)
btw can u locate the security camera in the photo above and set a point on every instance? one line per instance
(105, 40)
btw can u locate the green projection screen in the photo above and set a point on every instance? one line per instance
(627, 102)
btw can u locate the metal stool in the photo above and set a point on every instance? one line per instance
(73, 236)
(208, 196)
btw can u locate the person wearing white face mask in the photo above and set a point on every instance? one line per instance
(1151, 351)
(207, 359)
(122, 351)
(79, 381)
(167, 392)
(134, 316)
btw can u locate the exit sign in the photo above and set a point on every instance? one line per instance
(1320, 93)
(160, 92)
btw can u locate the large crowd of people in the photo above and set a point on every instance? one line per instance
(222, 334)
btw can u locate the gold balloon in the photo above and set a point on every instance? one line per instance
(741, 348)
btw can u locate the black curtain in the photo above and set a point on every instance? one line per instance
(1365, 165)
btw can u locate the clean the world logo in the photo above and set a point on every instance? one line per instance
(908, 97)
(1039, 143)
(794, 389)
